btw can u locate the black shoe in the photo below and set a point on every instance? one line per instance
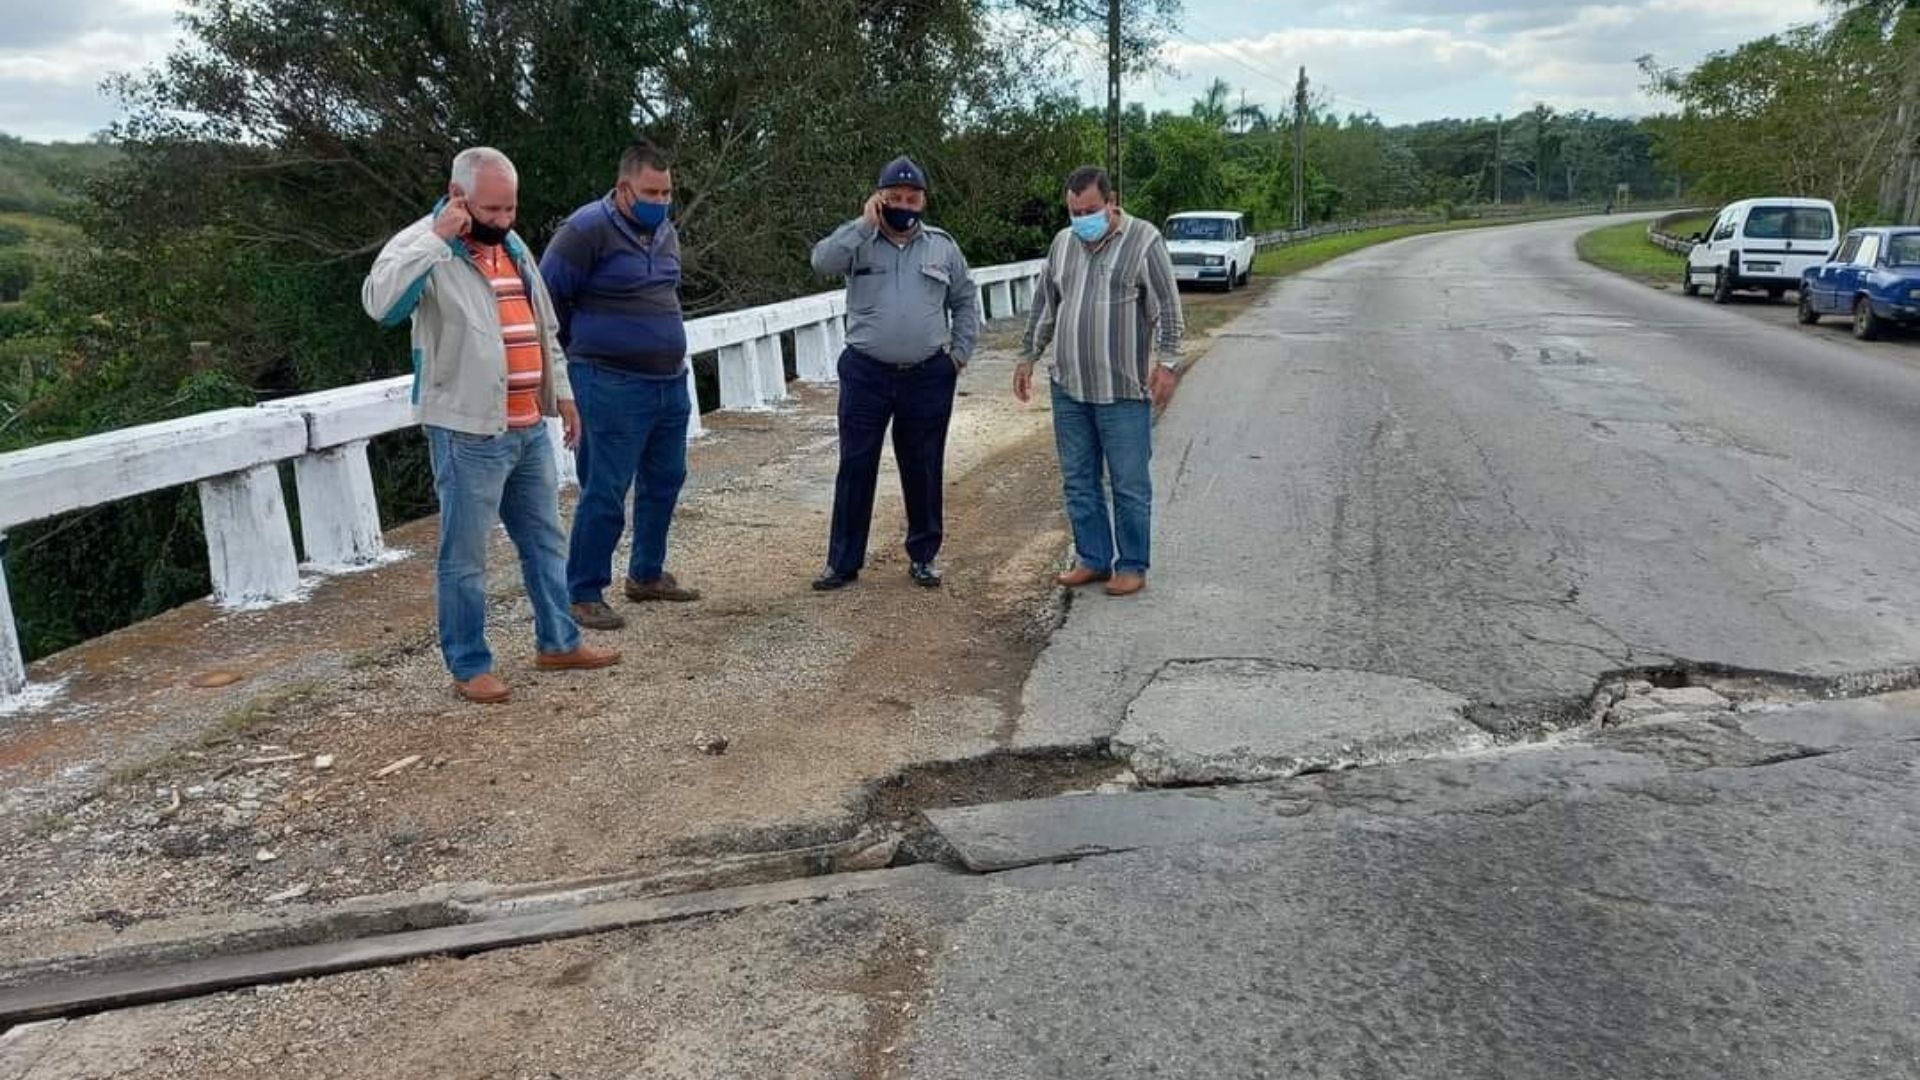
(835, 579)
(925, 574)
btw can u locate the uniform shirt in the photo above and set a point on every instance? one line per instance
(1102, 309)
(899, 297)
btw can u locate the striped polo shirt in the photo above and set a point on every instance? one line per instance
(521, 332)
(1103, 308)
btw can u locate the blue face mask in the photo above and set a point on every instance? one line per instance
(1091, 227)
(648, 215)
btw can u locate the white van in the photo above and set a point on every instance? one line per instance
(1214, 247)
(1761, 244)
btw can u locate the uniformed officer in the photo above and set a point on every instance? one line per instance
(904, 280)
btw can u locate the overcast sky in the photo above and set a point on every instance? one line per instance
(1405, 60)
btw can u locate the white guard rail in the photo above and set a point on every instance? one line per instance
(234, 455)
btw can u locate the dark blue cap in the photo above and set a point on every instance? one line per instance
(902, 172)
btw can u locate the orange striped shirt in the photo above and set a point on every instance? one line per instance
(521, 332)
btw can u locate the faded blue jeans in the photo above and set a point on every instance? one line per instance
(511, 479)
(1098, 443)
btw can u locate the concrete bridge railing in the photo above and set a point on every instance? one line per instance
(234, 455)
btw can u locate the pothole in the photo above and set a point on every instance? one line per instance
(897, 802)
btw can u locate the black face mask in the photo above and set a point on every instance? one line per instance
(900, 219)
(486, 234)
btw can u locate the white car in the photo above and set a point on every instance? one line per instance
(1762, 244)
(1213, 247)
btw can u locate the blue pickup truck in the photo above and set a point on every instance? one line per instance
(1874, 279)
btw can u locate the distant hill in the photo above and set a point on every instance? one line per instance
(38, 178)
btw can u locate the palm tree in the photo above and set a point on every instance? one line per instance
(1212, 107)
(1252, 118)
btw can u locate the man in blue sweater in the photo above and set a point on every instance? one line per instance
(613, 271)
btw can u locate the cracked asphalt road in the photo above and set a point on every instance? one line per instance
(1676, 903)
(1467, 459)
(1472, 459)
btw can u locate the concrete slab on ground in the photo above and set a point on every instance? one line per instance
(1210, 721)
(1855, 722)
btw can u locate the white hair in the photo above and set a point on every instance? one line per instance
(468, 164)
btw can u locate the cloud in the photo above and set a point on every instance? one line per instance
(1410, 60)
(1394, 72)
(55, 54)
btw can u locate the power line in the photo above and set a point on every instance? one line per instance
(1278, 80)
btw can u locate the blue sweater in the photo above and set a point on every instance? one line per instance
(616, 291)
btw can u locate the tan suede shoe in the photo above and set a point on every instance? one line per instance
(1126, 584)
(1079, 576)
(483, 689)
(584, 657)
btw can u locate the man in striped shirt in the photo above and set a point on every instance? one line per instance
(1106, 298)
(488, 371)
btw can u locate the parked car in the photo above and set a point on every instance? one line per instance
(1874, 278)
(1210, 246)
(1760, 244)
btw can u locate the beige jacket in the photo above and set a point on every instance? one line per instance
(459, 355)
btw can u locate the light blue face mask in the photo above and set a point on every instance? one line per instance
(1091, 227)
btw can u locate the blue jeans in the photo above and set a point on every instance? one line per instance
(629, 426)
(511, 479)
(1097, 443)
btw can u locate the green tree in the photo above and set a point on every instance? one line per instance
(1798, 113)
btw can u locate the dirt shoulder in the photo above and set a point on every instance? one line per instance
(141, 796)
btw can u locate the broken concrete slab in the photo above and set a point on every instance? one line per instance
(22, 1047)
(1211, 721)
(1634, 709)
(1690, 699)
(1004, 836)
(1830, 724)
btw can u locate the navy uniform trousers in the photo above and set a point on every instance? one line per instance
(918, 402)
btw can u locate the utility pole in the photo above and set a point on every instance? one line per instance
(1113, 92)
(1300, 151)
(1539, 154)
(1499, 163)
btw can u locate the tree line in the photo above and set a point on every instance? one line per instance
(1829, 110)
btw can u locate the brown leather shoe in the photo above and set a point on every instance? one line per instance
(664, 589)
(483, 689)
(584, 657)
(1126, 584)
(1079, 576)
(596, 615)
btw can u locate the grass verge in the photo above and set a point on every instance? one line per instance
(1687, 226)
(1624, 250)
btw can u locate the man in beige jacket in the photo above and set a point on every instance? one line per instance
(487, 372)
